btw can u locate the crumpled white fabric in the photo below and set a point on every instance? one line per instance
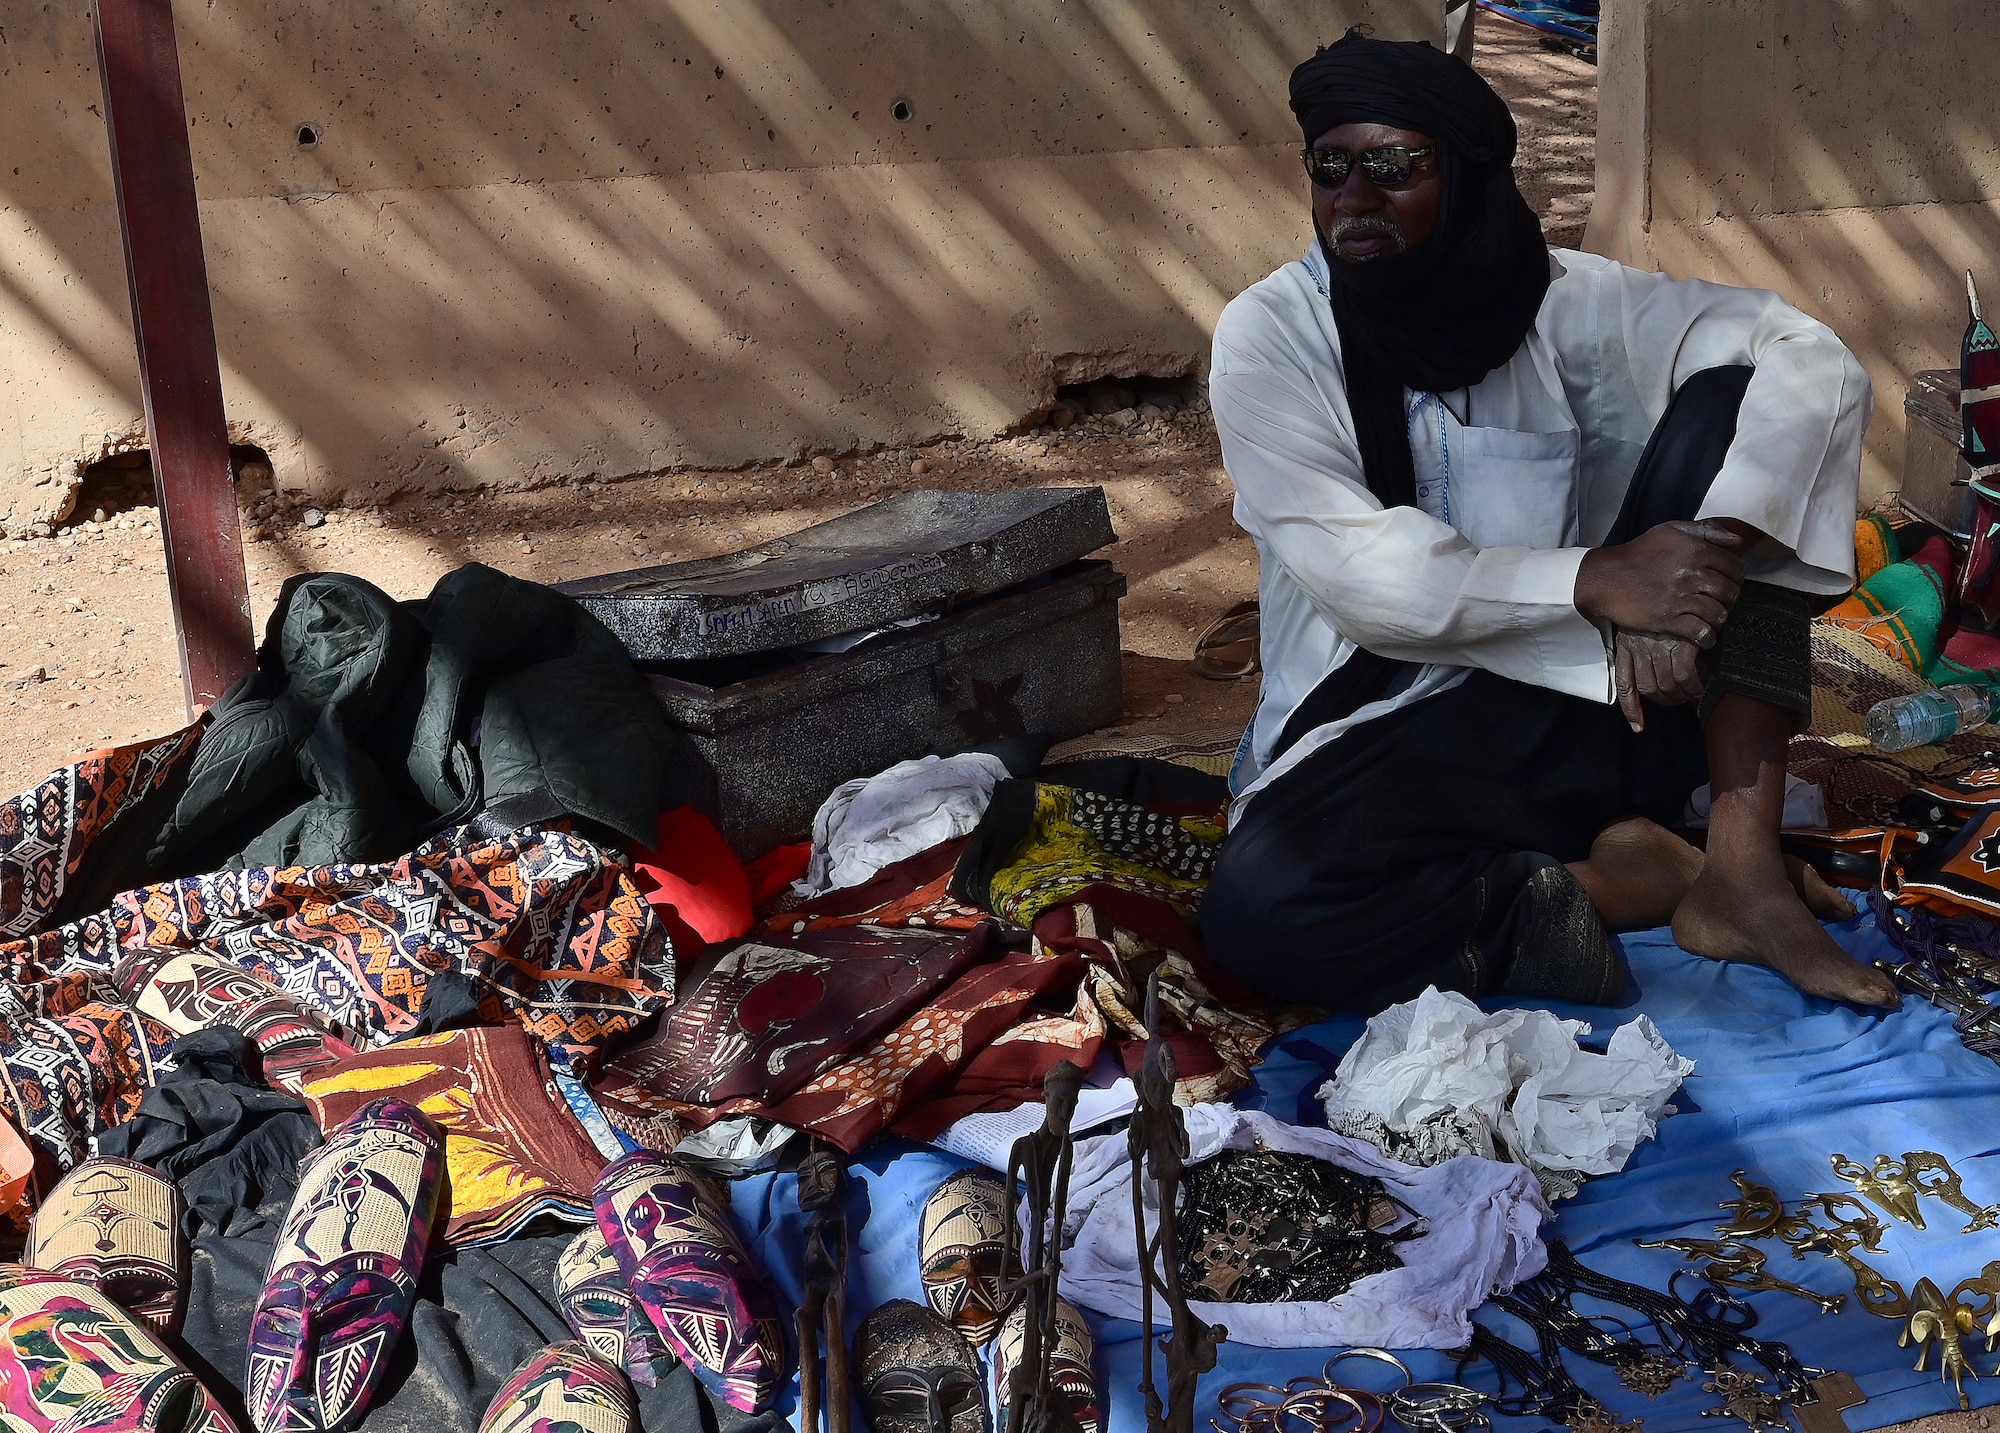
(1482, 1235)
(1514, 1084)
(876, 821)
(1805, 806)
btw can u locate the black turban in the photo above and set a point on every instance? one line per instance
(1458, 303)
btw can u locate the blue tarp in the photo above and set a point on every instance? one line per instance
(1782, 1081)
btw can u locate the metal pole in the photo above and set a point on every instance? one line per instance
(153, 169)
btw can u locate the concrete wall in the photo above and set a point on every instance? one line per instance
(1845, 153)
(612, 236)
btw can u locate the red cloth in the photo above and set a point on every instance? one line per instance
(692, 873)
(776, 869)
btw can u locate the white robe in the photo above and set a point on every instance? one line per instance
(1517, 477)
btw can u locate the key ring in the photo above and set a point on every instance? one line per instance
(1380, 1354)
(1444, 1407)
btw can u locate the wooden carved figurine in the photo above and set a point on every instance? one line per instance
(1040, 1164)
(1157, 1143)
(820, 1322)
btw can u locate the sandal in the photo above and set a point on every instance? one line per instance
(1228, 649)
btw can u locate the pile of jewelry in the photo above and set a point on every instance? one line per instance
(1324, 1405)
(1266, 1226)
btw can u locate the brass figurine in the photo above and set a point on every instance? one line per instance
(1887, 1184)
(1736, 1265)
(1757, 1210)
(1932, 1317)
(1882, 1297)
(1947, 1187)
(1984, 1287)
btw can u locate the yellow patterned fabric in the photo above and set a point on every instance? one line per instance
(1077, 839)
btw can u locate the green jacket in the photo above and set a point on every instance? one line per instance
(370, 725)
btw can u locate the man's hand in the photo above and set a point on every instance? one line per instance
(1660, 669)
(1679, 579)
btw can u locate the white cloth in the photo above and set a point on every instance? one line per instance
(1805, 806)
(1532, 464)
(876, 821)
(1482, 1222)
(1514, 1084)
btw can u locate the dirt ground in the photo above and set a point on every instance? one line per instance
(87, 651)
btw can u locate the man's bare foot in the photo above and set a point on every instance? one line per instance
(1637, 874)
(1759, 918)
(1829, 903)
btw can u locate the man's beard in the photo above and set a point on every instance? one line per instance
(1358, 224)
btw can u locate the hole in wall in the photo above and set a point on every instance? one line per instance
(122, 485)
(902, 111)
(1170, 393)
(308, 136)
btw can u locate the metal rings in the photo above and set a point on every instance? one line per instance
(1304, 1405)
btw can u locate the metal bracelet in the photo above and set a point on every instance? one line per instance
(1380, 1354)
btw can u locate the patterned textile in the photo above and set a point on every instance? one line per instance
(563, 1389)
(187, 992)
(597, 1304)
(512, 1150)
(768, 1018)
(960, 1241)
(548, 927)
(853, 1101)
(73, 1062)
(71, 1361)
(687, 1267)
(46, 833)
(1040, 845)
(343, 1276)
(913, 892)
(1110, 939)
(115, 1225)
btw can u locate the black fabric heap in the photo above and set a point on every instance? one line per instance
(371, 725)
(1456, 304)
(231, 1142)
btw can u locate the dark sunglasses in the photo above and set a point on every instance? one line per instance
(1387, 165)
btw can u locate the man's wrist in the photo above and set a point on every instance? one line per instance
(1589, 596)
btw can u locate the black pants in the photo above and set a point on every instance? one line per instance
(1428, 846)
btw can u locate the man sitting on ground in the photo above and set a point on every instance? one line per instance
(1539, 534)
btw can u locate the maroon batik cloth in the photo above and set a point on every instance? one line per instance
(912, 893)
(771, 1015)
(854, 1099)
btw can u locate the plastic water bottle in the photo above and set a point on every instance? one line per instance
(1899, 723)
